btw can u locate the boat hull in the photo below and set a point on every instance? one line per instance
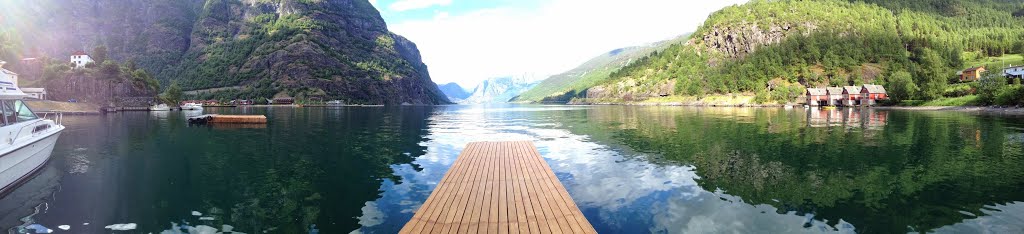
(19, 165)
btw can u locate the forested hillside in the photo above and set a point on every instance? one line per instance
(773, 49)
(563, 87)
(309, 49)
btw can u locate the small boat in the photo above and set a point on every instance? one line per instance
(192, 106)
(30, 138)
(160, 107)
(335, 103)
(829, 107)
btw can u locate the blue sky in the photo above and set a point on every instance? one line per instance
(467, 41)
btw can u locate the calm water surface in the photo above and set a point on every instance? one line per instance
(630, 169)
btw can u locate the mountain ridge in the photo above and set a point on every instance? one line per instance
(308, 49)
(561, 88)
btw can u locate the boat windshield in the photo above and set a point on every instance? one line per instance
(15, 111)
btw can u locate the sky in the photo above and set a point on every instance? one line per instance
(468, 41)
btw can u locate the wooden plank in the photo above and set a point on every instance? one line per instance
(526, 216)
(455, 214)
(499, 187)
(563, 199)
(547, 205)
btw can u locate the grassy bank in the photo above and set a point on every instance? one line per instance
(64, 107)
(969, 100)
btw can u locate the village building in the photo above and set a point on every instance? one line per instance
(1014, 73)
(80, 59)
(35, 93)
(816, 97)
(870, 94)
(283, 101)
(835, 96)
(972, 74)
(851, 96)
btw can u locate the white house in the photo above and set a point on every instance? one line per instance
(35, 93)
(1014, 72)
(80, 59)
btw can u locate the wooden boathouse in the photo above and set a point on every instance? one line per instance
(499, 187)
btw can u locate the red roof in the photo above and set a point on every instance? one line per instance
(79, 52)
(973, 69)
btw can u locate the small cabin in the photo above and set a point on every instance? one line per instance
(816, 97)
(35, 93)
(972, 74)
(851, 95)
(835, 96)
(870, 94)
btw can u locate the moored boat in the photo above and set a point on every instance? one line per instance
(160, 107)
(29, 139)
(192, 106)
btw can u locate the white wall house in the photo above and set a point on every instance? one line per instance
(1014, 72)
(35, 93)
(80, 59)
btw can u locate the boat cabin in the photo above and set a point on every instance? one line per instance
(816, 97)
(835, 96)
(870, 94)
(851, 95)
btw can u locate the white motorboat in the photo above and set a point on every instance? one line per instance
(336, 103)
(192, 106)
(160, 107)
(26, 140)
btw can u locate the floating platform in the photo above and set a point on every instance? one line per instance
(499, 187)
(228, 119)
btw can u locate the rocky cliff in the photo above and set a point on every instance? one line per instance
(329, 49)
(736, 41)
(83, 88)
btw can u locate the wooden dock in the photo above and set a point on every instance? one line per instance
(499, 187)
(228, 119)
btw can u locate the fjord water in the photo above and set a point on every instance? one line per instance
(630, 169)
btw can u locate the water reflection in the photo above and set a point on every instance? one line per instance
(630, 169)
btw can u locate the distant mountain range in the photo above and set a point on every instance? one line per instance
(454, 92)
(498, 90)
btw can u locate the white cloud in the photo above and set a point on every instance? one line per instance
(551, 39)
(405, 5)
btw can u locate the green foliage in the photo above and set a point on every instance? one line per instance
(143, 77)
(9, 45)
(53, 71)
(901, 85)
(1010, 95)
(173, 94)
(99, 54)
(109, 70)
(959, 90)
(932, 73)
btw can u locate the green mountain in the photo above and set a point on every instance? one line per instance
(309, 49)
(772, 49)
(563, 87)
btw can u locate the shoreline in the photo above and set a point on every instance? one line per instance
(1010, 111)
